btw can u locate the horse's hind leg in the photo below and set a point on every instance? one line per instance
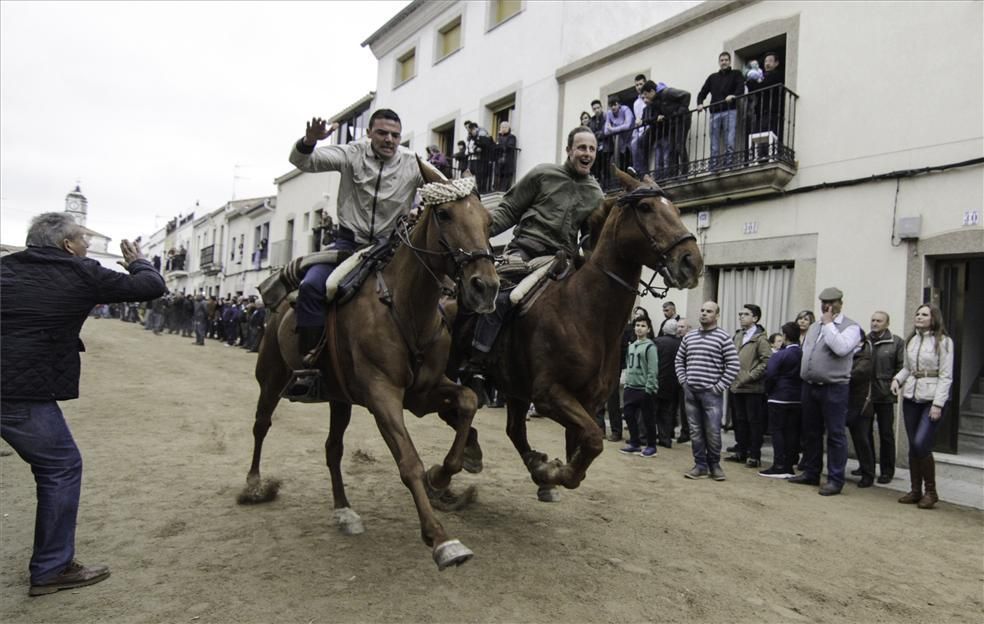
(348, 521)
(471, 459)
(387, 407)
(463, 404)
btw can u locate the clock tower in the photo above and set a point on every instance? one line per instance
(77, 205)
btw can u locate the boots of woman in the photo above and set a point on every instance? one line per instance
(929, 476)
(915, 477)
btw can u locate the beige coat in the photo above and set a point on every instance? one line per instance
(921, 357)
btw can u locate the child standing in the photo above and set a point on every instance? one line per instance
(641, 384)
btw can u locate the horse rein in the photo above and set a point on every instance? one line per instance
(631, 201)
(459, 257)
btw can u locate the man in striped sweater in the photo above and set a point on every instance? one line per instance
(706, 364)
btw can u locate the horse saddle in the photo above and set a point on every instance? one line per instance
(540, 271)
(352, 270)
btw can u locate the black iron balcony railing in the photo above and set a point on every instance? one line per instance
(207, 256)
(755, 129)
(494, 170)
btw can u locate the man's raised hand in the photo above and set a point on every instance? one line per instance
(130, 251)
(318, 130)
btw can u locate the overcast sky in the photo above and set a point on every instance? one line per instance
(154, 106)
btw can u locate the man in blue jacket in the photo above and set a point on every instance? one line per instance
(46, 293)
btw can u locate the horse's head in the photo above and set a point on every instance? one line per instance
(455, 228)
(649, 230)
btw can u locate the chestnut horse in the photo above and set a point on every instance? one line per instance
(388, 353)
(563, 353)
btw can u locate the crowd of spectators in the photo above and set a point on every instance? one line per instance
(652, 133)
(235, 321)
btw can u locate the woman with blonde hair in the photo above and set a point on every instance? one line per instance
(924, 383)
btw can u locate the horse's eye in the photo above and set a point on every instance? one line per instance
(644, 206)
(443, 215)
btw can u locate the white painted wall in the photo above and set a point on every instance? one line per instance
(522, 54)
(301, 195)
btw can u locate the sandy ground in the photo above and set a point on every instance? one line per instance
(165, 431)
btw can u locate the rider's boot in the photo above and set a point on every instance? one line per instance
(305, 385)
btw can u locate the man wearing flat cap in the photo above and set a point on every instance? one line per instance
(828, 352)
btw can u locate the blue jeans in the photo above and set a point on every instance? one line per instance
(723, 126)
(825, 407)
(38, 432)
(640, 155)
(704, 409)
(310, 306)
(920, 430)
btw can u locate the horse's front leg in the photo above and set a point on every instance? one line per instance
(583, 443)
(386, 405)
(347, 520)
(459, 405)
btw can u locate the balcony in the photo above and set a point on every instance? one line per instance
(494, 170)
(207, 262)
(677, 151)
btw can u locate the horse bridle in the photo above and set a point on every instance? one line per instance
(630, 201)
(459, 256)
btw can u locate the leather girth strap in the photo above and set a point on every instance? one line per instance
(331, 333)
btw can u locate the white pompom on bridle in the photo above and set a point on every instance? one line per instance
(435, 193)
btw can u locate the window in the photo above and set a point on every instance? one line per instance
(406, 66)
(444, 139)
(769, 287)
(351, 128)
(449, 38)
(504, 9)
(502, 111)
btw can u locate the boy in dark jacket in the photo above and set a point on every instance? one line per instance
(783, 388)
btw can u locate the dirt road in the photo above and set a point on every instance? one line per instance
(164, 429)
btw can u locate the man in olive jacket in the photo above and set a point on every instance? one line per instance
(888, 357)
(748, 389)
(46, 293)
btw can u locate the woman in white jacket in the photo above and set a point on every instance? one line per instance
(924, 383)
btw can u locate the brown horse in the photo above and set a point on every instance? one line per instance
(563, 353)
(388, 352)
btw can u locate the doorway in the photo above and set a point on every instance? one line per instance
(959, 293)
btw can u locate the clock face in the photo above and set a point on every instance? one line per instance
(73, 205)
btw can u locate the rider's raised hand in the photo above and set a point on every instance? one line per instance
(317, 130)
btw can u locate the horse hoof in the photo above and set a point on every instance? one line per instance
(259, 492)
(548, 494)
(450, 501)
(348, 521)
(471, 461)
(451, 553)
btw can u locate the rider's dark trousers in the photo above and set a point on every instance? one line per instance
(310, 307)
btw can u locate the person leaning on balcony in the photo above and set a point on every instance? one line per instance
(378, 181)
(924, 383)
(505, 157)
(639, 146)
(618, 120)
(597, 125)
(724, 87)
(673, 105)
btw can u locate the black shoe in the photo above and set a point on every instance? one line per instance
(666, 443)
(856, 473)
(883, 479)
(308, 339)
(753, 463)
(804, 479)
(731, 449)
(683, 439)
(477, 385)
(866, 482)
(75, 575)
(736, 458)
(829, 489)
(304, 387)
